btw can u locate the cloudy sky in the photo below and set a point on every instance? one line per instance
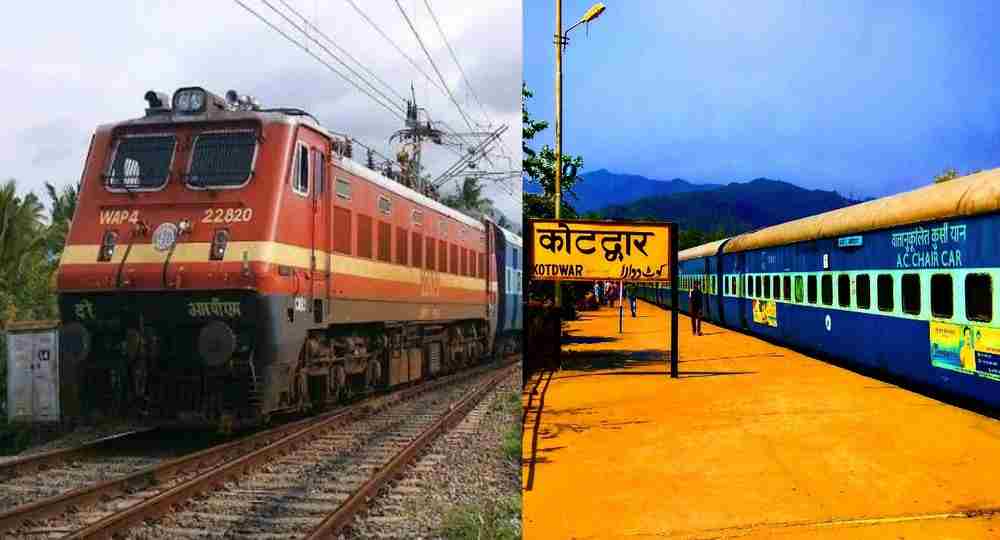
(869, 98)
(70, 67)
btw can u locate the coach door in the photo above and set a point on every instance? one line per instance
(322, 231)
(743, 303)
(315, 166)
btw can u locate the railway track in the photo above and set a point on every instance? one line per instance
(35, 477)
(298, 472)
(34, 463)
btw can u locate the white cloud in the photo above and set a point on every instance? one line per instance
(72, 66)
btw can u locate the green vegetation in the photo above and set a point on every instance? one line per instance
(497, 519)
(14, 438)
(509, 404)
(539, 169)
(470, 201)
(501, 520)
(951, 174)
(31, 241)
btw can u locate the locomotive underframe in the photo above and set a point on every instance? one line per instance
(145, 356)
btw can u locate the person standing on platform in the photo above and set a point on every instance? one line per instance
(630, 292)
(697, 302)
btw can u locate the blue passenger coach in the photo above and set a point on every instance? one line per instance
(509, 300)
(903, 284)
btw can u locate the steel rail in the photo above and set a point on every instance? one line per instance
(222, 470)
(43, 460)
(358, 500)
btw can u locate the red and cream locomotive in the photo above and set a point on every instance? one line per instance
(227, 263)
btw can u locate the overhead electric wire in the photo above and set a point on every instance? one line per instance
(335, 57)
(433, 65)
(343, 51)
(397, 47)
(457, 63)
(320, 60)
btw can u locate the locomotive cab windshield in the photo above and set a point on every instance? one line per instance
(141, 162)
(222, 159)
(214, 159)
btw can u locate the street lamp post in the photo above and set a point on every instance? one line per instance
(561, 39)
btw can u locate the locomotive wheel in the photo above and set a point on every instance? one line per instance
(338, 384)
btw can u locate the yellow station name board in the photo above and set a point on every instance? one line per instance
(596, 250)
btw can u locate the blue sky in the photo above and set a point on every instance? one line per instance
(868, 98)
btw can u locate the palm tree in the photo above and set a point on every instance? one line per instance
(21, 229)
(22, 246)
(469, 198)
(63, 208)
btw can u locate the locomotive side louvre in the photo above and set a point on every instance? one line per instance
(228, 265)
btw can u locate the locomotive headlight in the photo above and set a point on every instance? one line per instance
(107, 246)
(189, 100)
(219, 242)
(197, 101)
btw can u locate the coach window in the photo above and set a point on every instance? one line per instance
(911, 294)
(942, 302)
(826, 289)
(885, 292)
(787, 282)
(767, 286)
(757, 287)
(777, 287)
(979, 297)
(749, 283)
(844, 290)
(799, 290)
(418, 218)
(863, 284)
(812, 289)
(343, 189)
(300, 183)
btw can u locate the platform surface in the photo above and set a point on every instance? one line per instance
(752, 441)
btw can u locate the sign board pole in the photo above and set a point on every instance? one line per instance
(673, 300)
(621, 308)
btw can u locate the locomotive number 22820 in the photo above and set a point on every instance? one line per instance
(227, 215)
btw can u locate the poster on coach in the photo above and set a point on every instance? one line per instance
(765, 312)
(967, 348)
(599, 250)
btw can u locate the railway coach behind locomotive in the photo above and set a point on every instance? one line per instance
(228, 262)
